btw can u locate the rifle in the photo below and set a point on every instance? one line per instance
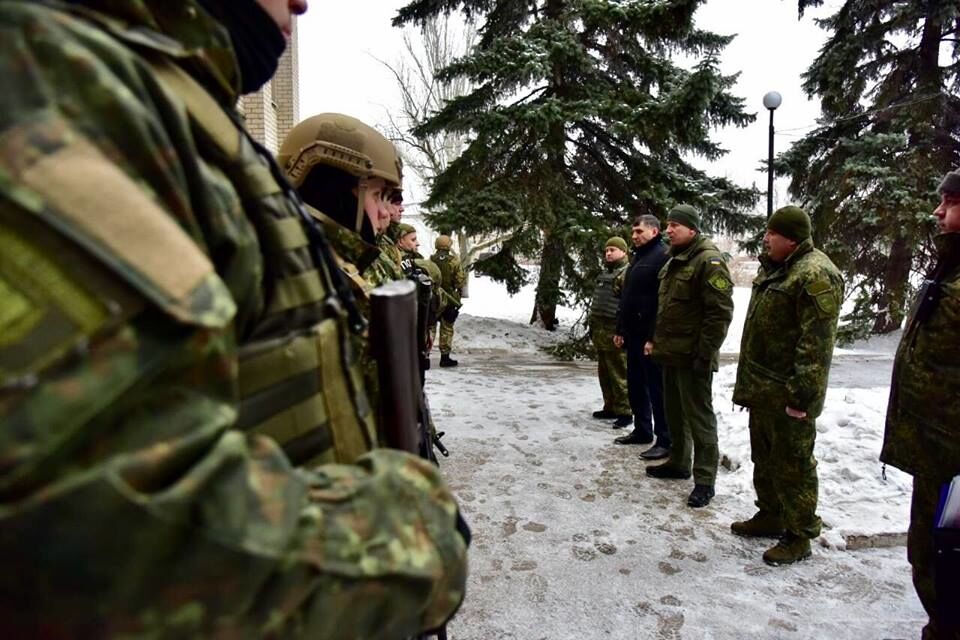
(404, 412)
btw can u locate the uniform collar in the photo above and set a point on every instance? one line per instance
(348, 244)
(613, 266)
(182, 30)
(948, 251)
(685, 253)
(802, 249)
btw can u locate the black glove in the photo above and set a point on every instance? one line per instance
(450, 314)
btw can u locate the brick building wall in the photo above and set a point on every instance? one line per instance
(271, 112)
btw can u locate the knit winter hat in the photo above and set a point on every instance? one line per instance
(443, 242)
(403, 229)
(618, 242)
(686, 215)
(950, 183)
(790, 222)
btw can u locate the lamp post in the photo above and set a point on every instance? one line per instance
(771, 101)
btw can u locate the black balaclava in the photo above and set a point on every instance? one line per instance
(330, 191)
(257, 40)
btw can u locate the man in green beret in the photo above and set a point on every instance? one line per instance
(785, 357)
(611, 359)
(922, 434)
(694, 309)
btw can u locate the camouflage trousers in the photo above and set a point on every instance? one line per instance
(612, 372)
(688, 399)
(920, 553)
(446, 336)
(784, 469)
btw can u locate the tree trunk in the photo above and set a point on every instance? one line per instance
(465, 261)
(548, 284)
(893, 296)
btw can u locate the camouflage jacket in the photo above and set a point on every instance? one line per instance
(606, 293)
(137, 255)
(387, 243)
(694, 307)
(454, 277)
(923, 416)
(789, 333)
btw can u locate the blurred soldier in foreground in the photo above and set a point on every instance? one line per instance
(162, 290)
(923, 420)
(694, 309)
(611, 359)
(452, 283)
(785, 354)
(636, 320)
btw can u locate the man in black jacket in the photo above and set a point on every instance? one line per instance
(635, 323)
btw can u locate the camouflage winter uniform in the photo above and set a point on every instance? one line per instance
(694, 309)
(454, 279)
(785, 357)
(923, 419)
(142, 325)
(611, 360)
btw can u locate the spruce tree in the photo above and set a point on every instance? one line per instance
(580, 117)
(888, 83)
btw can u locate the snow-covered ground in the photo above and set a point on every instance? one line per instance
(572, 540)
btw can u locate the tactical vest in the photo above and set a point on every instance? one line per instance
(299, 382)
(605, 301)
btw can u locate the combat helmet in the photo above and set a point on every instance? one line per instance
(344, 143)
(443, 243)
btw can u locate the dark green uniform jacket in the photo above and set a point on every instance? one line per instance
(695, 306)
(789, 333)
(158, 295)
(923, 417)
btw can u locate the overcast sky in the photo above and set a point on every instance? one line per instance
(341, 41)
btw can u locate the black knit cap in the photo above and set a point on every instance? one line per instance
(686, 215)
(950, 184)
(791, 222)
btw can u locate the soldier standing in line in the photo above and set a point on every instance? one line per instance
(611, 358)
(636, 319)
(344, 169)
(387, 241)
(452, 283)
(694, 309)
(785, 355)
(161, 291)
(923, 419)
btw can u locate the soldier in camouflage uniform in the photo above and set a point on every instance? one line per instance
(694, 309)
(785, 357)
(388, 239)
(343, 170)
(611, 359)
(160, 305)
(923, 418)
(452, 283)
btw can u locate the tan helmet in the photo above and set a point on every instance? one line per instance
(340, 141)
(443, 242)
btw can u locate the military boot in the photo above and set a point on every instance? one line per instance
(447, 361)
(761, 525)
(791, 548)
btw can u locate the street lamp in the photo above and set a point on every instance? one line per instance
(771, 101)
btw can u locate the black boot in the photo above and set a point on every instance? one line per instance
(603, 414)
(700, 496)
(447, 361)
(622, 421)
(633, 437)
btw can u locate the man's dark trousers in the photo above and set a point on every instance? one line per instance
(645, 388)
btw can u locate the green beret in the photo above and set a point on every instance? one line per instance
(790, 222)
(618, 242)
(686, 215)
(443, 242)
(950, 183)
(403, 229)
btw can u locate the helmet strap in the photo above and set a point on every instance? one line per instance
(361, 197)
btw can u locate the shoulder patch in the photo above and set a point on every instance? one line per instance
(818, 287)
(719, 281)
(715, 261)
(77, 190)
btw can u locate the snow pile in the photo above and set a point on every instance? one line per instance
(472, 333)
